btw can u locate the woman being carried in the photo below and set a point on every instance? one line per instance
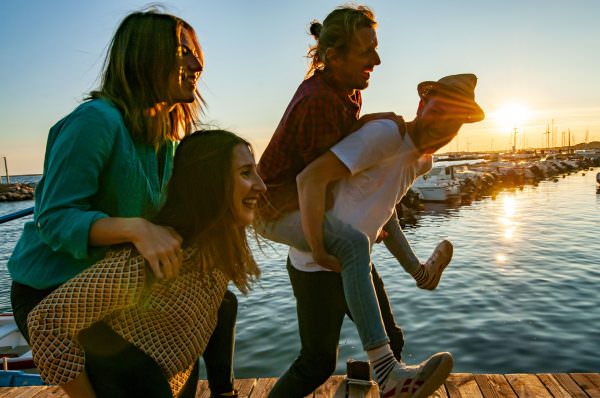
(164, 324)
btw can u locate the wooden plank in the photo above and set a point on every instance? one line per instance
(343, 390)
(262, 388)
(6, 391)
(462, 385)
(554, 386)
(458, 385)
(244, 386)
(202, 390)
(34, 392)
(24, 392)
(52, 392)
(587, 384)
(594, 378)
(494, 386)
(329, 388)
(570, 385)
(17, 392)
(440, 392)
(46, 392)
(527, 386)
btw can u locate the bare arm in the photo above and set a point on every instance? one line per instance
(312, 187)
(157, 244)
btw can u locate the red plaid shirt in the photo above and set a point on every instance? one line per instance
(318, 116)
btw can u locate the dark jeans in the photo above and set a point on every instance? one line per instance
(321, 308)
(118, 369)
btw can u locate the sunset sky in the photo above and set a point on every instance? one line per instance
(536, 61)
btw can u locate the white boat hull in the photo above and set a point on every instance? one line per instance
(15, 353)
(438, 193)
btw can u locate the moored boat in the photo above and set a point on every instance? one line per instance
(15, 353)
(439, 185)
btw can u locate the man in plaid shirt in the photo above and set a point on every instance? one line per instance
(320, 114)
(325, 109)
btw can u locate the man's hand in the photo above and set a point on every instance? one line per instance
(381, 236)
(326, 260)
(379, 115)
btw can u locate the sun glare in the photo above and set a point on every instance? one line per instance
(511, 115)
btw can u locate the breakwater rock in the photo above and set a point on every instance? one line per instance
(14, 192)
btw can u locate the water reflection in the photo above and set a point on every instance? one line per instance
(509, 207)
(520, 295)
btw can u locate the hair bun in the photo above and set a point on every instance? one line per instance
(315, 29)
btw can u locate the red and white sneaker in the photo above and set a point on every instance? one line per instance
(418, 381)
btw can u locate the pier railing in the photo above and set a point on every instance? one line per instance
(17, 214)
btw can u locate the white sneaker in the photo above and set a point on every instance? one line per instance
(435, 265)
(418, 381)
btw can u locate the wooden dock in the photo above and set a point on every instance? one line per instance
(458, 385)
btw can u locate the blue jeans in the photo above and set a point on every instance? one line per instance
(352, 248)
(397, 244)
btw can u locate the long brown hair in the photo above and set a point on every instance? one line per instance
(337, 31)
(140, 59)
(199, 205)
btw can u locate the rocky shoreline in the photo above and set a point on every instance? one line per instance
(485, 179)
(15, 192)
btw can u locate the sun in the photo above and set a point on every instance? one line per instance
(511, 115)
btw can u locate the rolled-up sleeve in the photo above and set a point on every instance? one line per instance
(115, 283)
(79, 150)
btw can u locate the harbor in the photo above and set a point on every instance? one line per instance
(497, 102)
(520, 295)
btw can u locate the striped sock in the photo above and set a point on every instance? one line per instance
(420, 275)
(383, 361)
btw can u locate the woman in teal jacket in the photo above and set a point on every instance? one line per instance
(106, 167)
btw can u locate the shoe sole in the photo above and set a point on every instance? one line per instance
(436, 379)
(441, 269)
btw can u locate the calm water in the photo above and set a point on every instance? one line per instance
(521, 294)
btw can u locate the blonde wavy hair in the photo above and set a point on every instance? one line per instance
(141, 57)
(337, 31)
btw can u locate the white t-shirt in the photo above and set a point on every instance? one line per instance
(383, 166)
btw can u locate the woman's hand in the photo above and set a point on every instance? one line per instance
(160, 246)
